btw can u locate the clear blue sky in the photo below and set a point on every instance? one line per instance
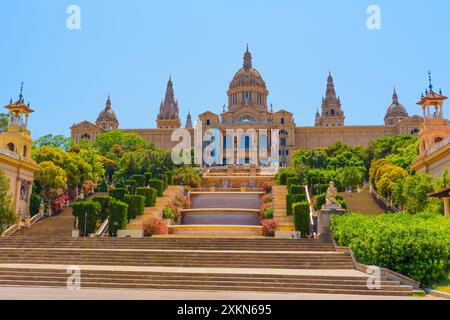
(129, 48)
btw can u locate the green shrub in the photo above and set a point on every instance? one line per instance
(118, 193)
(296, 189)
(169, 176)
(120, 183)
(168, 213)
(293, 198)
(302, 219)
(140, 180)
(35, 204)
(149, 194)
(131, 184)
(104, 203)
(163, 177)
(118, 216)
(103, 186)
(87, 214)
(158, 185)
(417, 246)
(148, 176)
(268, 213)
(136, 205)
(291, 181)
(319, 188)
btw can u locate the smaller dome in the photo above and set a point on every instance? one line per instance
(396, 109)
(247, 75)
(107, 114)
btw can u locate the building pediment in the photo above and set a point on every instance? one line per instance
(85, 125)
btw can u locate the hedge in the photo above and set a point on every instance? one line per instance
(296, 189)
(87, 214)
(149, 194)
(118, 217)
(131, 184)
(148, 176)
(293, 181)
(103, 187)
(140, 180)
(118, 193)
(136, 205)
(158, 185)
(282, 176)
(293, 198)
(302, 219)
(163, 177)
(35, 204)
(104, 203)
(169, 178)
(417, 246)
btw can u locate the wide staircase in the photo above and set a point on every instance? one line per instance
(363, 202)
(155, 212)
(219, 264)
(284, 221)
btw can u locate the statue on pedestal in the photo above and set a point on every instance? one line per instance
(330, 200)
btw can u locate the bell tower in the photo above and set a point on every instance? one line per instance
(435, 127)
(16, 140)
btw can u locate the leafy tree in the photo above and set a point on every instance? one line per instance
(56, 141)
(351, 176)
(128, 142)
(52, 180)
(389, 176)
(412, 193)
(7, 215)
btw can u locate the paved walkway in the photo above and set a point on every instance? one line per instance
(15, 293)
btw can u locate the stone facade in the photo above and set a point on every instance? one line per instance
(15, 156)
(248, 109)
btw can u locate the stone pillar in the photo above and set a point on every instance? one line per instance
(446, 206)
(324, 221)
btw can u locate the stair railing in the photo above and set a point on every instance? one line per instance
(103, 228)
(311, 208)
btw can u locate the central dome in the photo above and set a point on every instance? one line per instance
(247, 75)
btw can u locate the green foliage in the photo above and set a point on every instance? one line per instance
(301, 216)
(55, 141)
(158, 185)
(186, 176)
(411, 194)
(169, 178)
(118, 217)
(312, 158)
(283, 174)
(136, 206)
(118, 193)
(417, 246)
(163, 177)
(168, 213)
(131, 184)
(87, 214)
(351, 177)
(293, 181)
(140, 180)
(35, 204)
(294, 198)
(120, 142)
(268, 213)
(7, 215)
(103, 187)
(296, 189)
(52, 180)
(148, 176)
(149, 194)
(104, 202)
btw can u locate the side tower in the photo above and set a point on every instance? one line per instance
(332, 114)
(168, 117)
(107, 119)
(396, 112)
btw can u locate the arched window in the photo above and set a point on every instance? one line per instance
(86, 136)
(208, 122)
(282, 121)
(11, 147)
(415, 131)
(438, 139)
(24, 151)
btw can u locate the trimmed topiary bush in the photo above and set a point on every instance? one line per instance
(104, 203)
(163, 177)
(293, 198)
(149, 194)
(87, 214)
(302, 218)
(136, 205)
(291, 181)
(118, 217)
(417, 246)
(169, 178)
(118, 193)
(103, 186)
(148, 176)
(130, 184)
(158, 185)
(296, 189)
(140, 180)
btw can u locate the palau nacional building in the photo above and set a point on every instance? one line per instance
(248, 108)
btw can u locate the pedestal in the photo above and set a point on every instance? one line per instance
(324, 221)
